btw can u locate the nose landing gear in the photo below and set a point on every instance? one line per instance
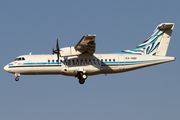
(17, 76)
(82, 77)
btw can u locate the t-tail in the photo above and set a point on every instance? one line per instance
(156, 44)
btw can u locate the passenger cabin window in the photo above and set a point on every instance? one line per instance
(52, 60)
(49, 61)
(106, 60)
(109, 60)
(114, 60)
(101, 60)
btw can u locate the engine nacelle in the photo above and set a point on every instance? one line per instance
(69, 51)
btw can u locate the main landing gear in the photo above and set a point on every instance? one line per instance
(82, 77)
(17, 76)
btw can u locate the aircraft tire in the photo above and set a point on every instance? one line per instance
(16, 79)
(81, 81)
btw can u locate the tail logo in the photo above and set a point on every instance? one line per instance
(147, 47)
(156, 44)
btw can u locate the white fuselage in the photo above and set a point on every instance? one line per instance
(91, 65)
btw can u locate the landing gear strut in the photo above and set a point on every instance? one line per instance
(17, 76)
(82, 77)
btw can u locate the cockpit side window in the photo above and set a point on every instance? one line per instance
(19, 59)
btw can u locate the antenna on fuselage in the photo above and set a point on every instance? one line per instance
(57, 51)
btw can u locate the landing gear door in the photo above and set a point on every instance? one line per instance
(64, 64)
(121, 62)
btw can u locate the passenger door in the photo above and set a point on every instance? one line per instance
(121, 62)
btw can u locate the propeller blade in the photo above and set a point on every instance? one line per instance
(53, 50)
(58, 57)
(57, 45)
(57, 51)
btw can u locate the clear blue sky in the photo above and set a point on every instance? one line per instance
(32, 26)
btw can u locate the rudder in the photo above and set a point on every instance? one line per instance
(164, 43)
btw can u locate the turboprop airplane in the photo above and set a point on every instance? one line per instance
(81, 61)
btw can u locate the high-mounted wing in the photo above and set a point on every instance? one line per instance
(86, 44)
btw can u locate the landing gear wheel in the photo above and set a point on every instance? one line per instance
(16, 79)
(84, 76)
(81, 81)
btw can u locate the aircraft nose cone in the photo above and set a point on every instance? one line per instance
(6, 68)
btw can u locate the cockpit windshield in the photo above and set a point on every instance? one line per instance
(19, 59)
(16, 59)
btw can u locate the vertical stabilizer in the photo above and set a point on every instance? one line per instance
(156, 44)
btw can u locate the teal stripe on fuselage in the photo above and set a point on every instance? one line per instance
(10, 64)
(109, 62)
(130, 62)
(102, 63)
(43, 63)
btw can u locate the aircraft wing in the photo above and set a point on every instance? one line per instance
(86, 44)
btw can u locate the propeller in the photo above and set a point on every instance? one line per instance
(57, 51)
